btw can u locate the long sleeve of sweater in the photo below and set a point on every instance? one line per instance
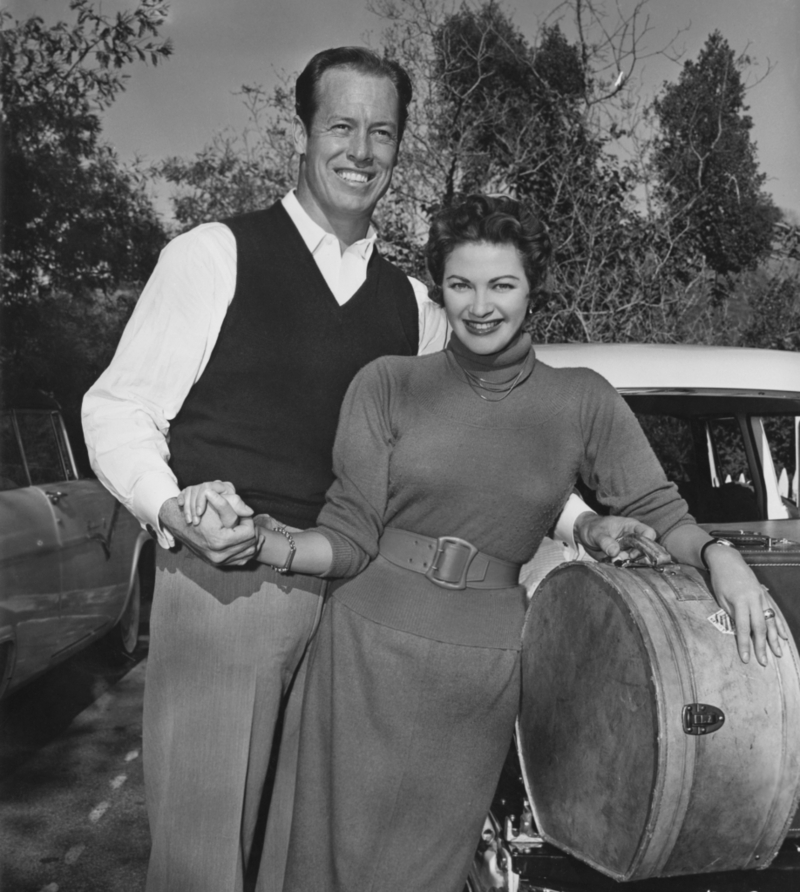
(417, 449)
(353, 516)
(619, 463)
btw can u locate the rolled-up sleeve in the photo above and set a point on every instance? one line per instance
(162, 353)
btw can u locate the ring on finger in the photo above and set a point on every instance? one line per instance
(769, 613)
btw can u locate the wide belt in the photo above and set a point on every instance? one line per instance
(447, 561)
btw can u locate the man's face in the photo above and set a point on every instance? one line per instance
(351, 148)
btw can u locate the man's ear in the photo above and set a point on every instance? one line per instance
(299, 135)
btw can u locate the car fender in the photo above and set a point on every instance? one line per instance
(142, 540)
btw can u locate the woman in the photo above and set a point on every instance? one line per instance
(413, 683)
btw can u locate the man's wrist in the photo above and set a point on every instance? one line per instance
(164, 527)
(579, 527)
(565, 525)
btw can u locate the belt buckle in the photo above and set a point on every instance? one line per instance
(442, 544)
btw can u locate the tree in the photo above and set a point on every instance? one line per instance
(708, 177)
(539, 118)
(72, 216)
(76, 223)
(498, 113)
(236, 173)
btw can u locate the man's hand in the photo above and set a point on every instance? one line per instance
(600, 535)
(229, 542)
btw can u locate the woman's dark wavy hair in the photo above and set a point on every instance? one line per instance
(355, 58)
(496, 220)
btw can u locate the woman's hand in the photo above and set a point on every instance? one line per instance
(194, 500)
(736, 589)
(601, 535)
(745, 600)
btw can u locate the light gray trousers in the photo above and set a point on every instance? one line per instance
(226, 656)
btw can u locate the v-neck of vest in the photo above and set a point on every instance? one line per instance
(360, 294)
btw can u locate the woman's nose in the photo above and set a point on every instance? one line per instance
(481, 304)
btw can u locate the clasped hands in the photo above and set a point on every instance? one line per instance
(225, 536)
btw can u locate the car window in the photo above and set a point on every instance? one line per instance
(781, 432)
(12, 470)
(43, 450)
(671, 440)
(730, 458)
(705, 456)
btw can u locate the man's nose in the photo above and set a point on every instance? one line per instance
(360, 149)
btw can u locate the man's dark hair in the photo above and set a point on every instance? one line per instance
(494, 220)
(354, 58)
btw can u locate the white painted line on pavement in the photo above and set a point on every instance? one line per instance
(133, 754)
(98, 811)
(74, 853)
(50, 887)
(118, 781)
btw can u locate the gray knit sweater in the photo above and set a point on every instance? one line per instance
(418, 449)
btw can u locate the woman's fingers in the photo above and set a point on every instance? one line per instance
(758, 626)
(742, 624)
(188, 503)
(227, 516)
(774, 624)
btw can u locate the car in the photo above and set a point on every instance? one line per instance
(724, 423)
(74, 564)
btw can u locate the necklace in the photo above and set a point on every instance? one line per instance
(479, 384)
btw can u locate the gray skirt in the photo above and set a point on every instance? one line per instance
(402, 742)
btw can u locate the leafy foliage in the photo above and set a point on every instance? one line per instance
(76, 223)
(238, 173)
(708, 177)
(72, 216)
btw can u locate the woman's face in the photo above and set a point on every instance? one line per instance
(485, 295)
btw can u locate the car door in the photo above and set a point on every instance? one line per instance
(94, 573)
(96, 563)
(30, 562)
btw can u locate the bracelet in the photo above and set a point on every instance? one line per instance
(726, 542)
(292, 549)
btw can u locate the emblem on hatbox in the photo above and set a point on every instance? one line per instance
(722, 622)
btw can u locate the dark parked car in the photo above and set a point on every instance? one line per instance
(73, 562)
(724, 423)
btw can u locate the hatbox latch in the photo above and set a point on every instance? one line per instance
(701, 718)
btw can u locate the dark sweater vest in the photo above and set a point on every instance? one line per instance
(264, 412)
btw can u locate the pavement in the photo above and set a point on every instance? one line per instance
(72, 815)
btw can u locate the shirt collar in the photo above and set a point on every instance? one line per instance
(313, 234)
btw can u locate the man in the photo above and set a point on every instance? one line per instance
(234, 365)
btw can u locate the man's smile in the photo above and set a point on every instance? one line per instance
(355, 176)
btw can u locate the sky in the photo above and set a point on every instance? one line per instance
(220, 45)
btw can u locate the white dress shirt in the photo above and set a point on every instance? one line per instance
(167, 344)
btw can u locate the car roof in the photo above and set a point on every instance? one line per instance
(682, 367)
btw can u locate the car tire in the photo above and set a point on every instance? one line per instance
(123, 638)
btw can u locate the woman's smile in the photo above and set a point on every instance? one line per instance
(485, 295)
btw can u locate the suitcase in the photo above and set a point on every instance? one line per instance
(647, 747)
